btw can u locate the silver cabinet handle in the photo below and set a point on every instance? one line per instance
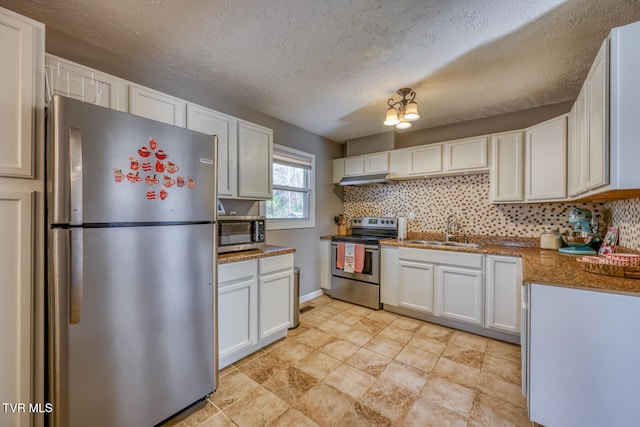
(76, 284)
(75, 175)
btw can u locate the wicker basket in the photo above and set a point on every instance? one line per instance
(610, 270)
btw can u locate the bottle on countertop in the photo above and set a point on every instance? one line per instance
(551, 239)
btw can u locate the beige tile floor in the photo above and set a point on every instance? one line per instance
(347, 365)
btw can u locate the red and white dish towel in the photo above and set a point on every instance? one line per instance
(350, 257)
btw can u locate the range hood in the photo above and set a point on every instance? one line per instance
(378, 178)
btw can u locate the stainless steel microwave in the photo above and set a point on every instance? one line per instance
(241, 233)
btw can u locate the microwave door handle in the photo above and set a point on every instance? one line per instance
(256, 231)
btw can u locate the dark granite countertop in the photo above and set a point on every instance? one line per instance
(544, 266)
(270, 250)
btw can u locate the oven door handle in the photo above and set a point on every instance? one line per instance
(370, 247)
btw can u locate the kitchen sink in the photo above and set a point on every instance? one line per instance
(442, 243)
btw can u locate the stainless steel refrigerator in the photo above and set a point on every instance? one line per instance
(131, 267)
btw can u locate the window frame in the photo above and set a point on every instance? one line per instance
(293, 223)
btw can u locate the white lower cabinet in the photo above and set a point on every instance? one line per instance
(275, 289)
(458, 293)
(237, 308)
(255, 305)
(502, 293)
(470, 291)
(415, 286)
(582, 357)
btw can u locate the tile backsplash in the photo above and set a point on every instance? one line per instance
(431, 200)
(626, 213)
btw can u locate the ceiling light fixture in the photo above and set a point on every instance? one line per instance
(401, 113)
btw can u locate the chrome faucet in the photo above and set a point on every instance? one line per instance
(452, 225)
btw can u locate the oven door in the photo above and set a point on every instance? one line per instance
(371, 270)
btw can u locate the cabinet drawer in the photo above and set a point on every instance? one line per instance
(228, 274)
(275, 263)
(462, 259)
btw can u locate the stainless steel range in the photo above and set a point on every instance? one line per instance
(362, 288)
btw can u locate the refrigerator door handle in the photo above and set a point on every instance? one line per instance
(75, 174)
(75, 291)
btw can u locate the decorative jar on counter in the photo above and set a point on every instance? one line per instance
(551, 239)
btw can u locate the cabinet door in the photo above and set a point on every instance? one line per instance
(415, 286)
(255, 153)
(325, 266)
(597, 148)
(338, 170)
(22, 89)
(354, 166)
(458, 294)
(426, 159)
(211, 122)
(275, 292)
(507, 167)
(376, 163)
(236, 311)
(16, 240)
(467, 154)
(155, 105)
(76, 81)
(503, 288)
(546, 160)
(389, 275)
(583, 354)
(574, 122)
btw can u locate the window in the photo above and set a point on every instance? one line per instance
(293, 202)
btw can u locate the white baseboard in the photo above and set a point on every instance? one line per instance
(310, 296)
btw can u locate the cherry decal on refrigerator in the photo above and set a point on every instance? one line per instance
(143, 163)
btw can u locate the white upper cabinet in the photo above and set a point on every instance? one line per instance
(576, 131)
(255, 152)
(364, 165)
(211, 122)
(22, 89)
(424, 160)
(415, 162)
(156, 105)
(376, 163)
(589, 129)
(76, 81)
(338, 170)
(546, 160)
(466, 154)
(596, 146)
(353, 166)
(507, 167)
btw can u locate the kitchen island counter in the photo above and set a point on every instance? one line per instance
(544, 266)
(268, 251)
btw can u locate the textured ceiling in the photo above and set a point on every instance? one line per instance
(329, 66)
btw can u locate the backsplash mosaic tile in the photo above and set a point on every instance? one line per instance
(626, 213)
(432, 200)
